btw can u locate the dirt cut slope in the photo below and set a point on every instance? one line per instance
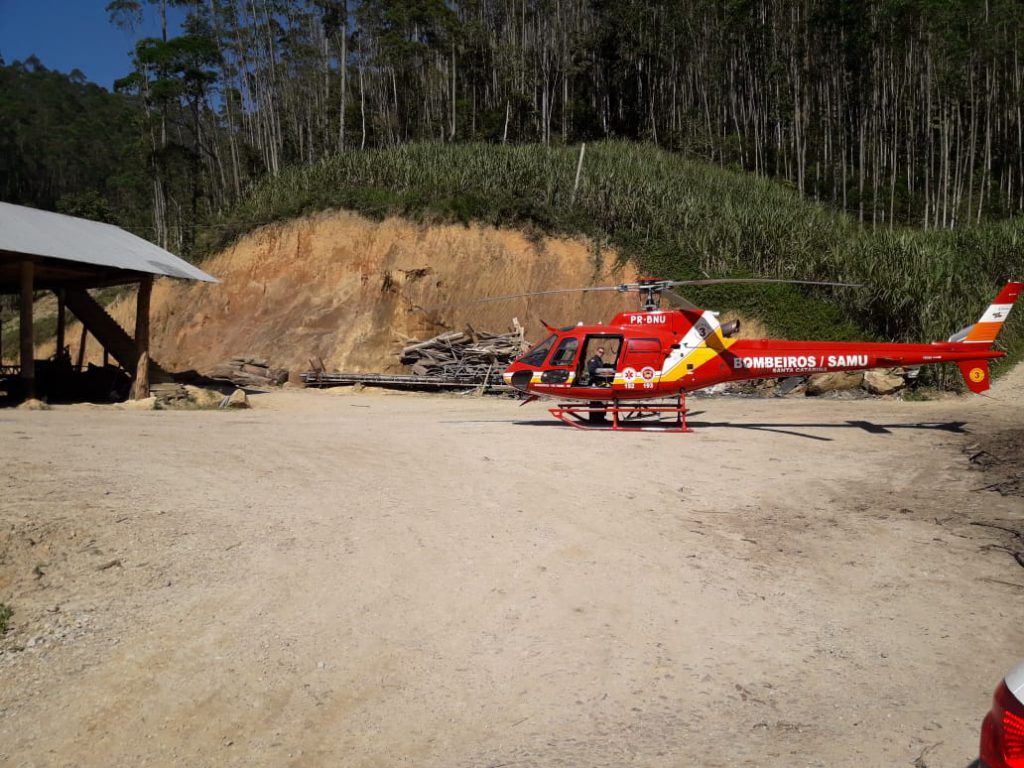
(352, 292)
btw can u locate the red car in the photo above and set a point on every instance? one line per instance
(1002, 732)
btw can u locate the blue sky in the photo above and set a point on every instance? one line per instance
(69, 34)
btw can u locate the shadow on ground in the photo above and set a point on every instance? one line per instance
(783, 428)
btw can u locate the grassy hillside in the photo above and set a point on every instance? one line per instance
(676, 218)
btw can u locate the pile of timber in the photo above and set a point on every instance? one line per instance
(471, 356)
(250, 372)
(170, 394)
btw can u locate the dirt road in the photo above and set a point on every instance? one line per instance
(377, 580)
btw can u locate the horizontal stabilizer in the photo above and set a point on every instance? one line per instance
(962, 334)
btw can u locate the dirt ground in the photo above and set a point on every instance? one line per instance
(367, 579)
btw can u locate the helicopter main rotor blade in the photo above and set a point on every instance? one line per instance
(618, 288)
(656, 286)
(725, 280)
(680, 300)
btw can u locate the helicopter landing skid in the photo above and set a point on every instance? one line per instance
(635, 417)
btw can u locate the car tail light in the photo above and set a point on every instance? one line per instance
(1002, 732)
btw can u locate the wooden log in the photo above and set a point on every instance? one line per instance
(471, 354)
(436, 341)
(255, 370)
(251, 361)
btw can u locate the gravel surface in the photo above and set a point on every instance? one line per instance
(372, 579)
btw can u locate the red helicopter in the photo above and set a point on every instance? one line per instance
(621, 369)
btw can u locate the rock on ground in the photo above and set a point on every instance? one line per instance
(238, 399)
(820, 383)
(884, 381)
(33, 405)
(204, 398)
(145, 404)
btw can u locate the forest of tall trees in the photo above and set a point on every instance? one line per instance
(69, 145)
(897, 111)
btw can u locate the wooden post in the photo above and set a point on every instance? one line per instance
(28, 363)
(60, 324)
(142, 315)
(140, 390)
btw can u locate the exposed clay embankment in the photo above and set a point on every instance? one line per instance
(352, 292)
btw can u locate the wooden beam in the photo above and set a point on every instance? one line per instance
(103, 327)
(28, 363)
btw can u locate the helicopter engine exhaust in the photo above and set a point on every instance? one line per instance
(731, 328)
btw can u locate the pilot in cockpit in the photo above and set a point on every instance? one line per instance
(595, 363)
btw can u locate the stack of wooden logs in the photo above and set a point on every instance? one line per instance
(466, 355)
(250, 372)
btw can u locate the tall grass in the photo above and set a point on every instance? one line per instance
(677, 218)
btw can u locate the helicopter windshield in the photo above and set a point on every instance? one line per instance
(566, 352)
(535, 356)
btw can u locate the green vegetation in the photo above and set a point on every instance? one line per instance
(896, 111)
(676, 218)
(44, 326)
(71, 146)
(5, 618)
(852, 121)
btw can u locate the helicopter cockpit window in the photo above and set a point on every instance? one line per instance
(535, 356)
(566, 352)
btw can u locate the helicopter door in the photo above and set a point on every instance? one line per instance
(599, 361)
(562, 361)
(641, 360)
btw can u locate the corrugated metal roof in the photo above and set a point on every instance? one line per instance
(43, 233)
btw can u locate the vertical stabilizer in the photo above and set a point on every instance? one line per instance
(987, 328)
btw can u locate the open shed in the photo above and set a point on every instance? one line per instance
(40, 250)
